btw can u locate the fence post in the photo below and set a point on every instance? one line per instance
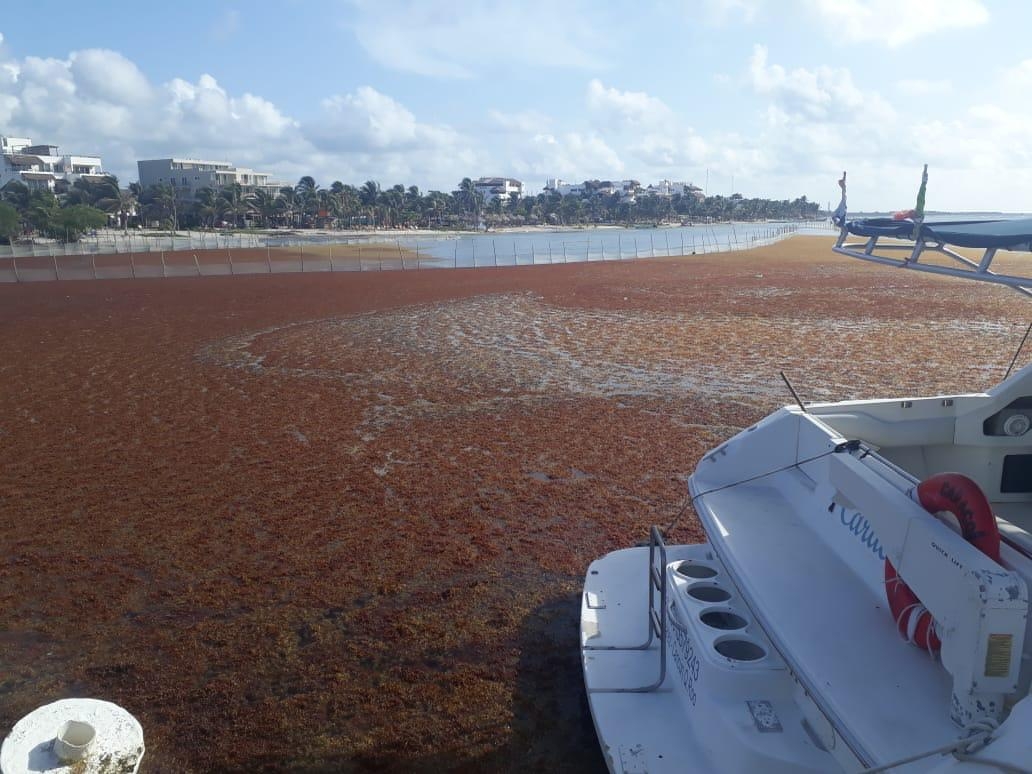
(400, 254)
(197, 265)
(515, 260)
(619, 248)
(229, 254)
(455, 258)
(331, 259)
(682, 243)
(132, 265)
(652, 241)
(494, 248)
(14, 263)
(666, 235)
(93, 263)
(603, 249)
(57, 273)
(473, 247)
(587, 249)
(564, 251)
(533, 255)
(635, 245)
(268, 256)
(302, 246)
(417, 256)
(163, 272)
(549, 252)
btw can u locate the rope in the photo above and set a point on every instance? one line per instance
(977, 735)
(848, 445)
(1020, 347)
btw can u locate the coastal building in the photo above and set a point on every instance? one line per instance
(668, 188)
(498, 188)
(625, 189)
(43, 166)
(187, 176)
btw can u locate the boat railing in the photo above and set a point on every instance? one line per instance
(657, 580)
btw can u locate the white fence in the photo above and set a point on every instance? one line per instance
(120, 256)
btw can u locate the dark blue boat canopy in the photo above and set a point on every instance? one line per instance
(1002, 234)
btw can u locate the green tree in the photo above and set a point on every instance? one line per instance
(72, 222)
(369, 196)
(119, 202)
(17, 194)
(205, 206)
(265, 206)
(10, 222)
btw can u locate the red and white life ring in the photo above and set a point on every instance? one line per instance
(958, 494)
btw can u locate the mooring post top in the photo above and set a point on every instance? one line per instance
(116, 744)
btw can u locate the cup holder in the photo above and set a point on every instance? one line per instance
(695, 571)
(708, 592)
(724, 619)
(736, 648)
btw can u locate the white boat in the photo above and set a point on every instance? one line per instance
(832, 622)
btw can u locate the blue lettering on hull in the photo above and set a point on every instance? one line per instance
(861, 529)
(686, 659)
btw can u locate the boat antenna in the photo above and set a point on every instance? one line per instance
(1018, 352)
(795, 394)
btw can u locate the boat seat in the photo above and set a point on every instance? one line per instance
(831, 628)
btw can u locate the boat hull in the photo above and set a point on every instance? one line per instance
(726, 702)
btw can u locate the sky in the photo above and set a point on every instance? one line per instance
(769, 98)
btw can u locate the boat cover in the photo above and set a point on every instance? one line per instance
(1003, 234)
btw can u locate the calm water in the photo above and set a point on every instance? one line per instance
(606, 244)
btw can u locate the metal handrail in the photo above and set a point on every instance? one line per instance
(656, 620)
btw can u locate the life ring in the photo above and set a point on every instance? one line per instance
(958, 494)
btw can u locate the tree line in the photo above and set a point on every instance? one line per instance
(90, 203)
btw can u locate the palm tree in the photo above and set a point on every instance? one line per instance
(306, 199)
(264, 205)
(288, 203)
(158, 203)
(369, 195)
(350, 201)
(206, 206)
(122, 205)
(436, 204)
(329, 207)
(231, 202)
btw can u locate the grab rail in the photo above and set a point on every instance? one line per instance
(656, 620)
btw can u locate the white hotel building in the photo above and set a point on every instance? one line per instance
(42, 166)
(498, 188)
(187, 176)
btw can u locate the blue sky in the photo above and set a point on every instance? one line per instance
(772, 97)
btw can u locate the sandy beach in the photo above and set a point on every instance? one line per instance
(339, 522)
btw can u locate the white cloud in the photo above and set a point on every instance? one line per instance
(631, 107)
(464, 41)
(894, 23)
(676, 151)
(1018, 77)
(722, 11)
(98, 102)
(226, 25)
(108, 76)
(205, 111)
(821, 94)
(527, 122)
(572, 155)
(368, 120)
(918, 87)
